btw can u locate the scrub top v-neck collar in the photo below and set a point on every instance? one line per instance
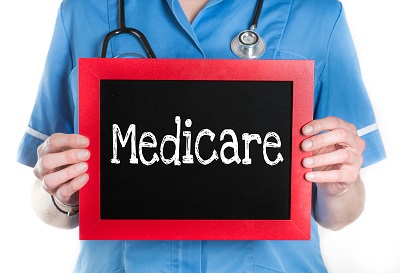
(180, 16)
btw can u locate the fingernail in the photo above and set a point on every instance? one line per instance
(81, 167)
(307, 144)
(308, 129)
(310, 176)
(83, 154)
(308, 161)
(83, 141)
(84, 178)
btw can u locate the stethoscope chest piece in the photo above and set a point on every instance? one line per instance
(248, 45)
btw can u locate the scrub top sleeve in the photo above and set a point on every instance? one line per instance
(343, 93)
(53, 111)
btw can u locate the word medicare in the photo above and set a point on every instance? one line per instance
(148, 140)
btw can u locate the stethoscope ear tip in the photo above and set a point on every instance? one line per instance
(248, 45)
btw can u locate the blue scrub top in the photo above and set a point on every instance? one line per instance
(293, 29)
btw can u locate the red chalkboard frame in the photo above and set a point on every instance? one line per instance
(92, 70)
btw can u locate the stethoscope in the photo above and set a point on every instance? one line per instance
(247, 44)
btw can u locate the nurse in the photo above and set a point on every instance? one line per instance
(343, 137)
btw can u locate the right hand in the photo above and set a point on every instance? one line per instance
(61, 166)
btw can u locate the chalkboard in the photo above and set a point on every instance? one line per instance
(188, 149)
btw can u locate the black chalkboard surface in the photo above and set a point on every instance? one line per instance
(195, 149)
(195, 191)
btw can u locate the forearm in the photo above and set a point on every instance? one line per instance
(47, 212)
(337, 211)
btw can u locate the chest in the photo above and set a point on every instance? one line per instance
(171, 35)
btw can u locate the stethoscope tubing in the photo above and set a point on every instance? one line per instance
(133, 31)
(254, 21)
(123, 29)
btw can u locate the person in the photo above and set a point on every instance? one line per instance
(343, 136)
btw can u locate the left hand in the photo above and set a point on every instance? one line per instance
(337, 154)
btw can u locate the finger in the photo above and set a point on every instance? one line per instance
(343, 175)
(66, 192)
(328, 123)
(338, 136)
(61, 142)
(341, 156)
(51, 182)
(49, 162)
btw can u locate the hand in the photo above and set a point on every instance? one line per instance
(337, 154)
(61, 166)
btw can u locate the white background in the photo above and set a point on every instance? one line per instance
(371, 244)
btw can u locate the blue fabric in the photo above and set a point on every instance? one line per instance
(298, 29)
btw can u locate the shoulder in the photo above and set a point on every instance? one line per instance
(82, 7)
(309, 29)
(84, 23)
(318, 5)
(319, 9)
(311, 22)
(76, 4)
(81, 15)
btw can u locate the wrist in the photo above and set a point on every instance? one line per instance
(333, 189)
(69, 210)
